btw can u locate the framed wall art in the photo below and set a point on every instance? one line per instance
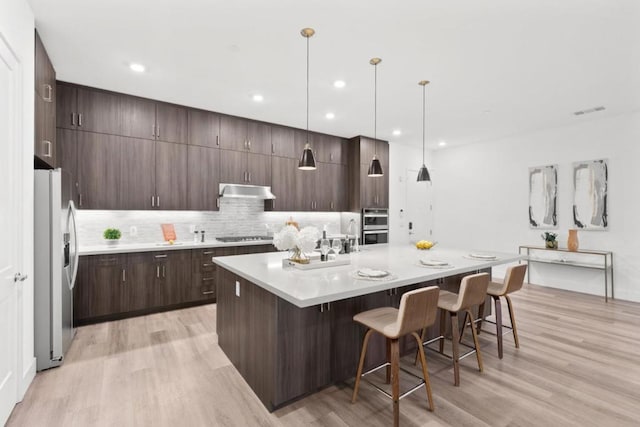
(590, 186)
(543, 197)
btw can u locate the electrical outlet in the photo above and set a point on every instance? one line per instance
(133, 231)
(237, 288)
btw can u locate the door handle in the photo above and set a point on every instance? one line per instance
(153, 130)
(157, 271)
(19, 277)
(47, 145)
(158, 131)
(124, 275)
(73, 119)
(79, 119)
(158, 200)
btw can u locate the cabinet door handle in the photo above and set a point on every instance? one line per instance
(47, 146)
(207, 292)
(217, 139)
(73, 119)
(153, 202)
(331, 205)
(49, 90)
(124, 275)
(80, 199)
(153, 131)
(158, 131)
(207, 252)
(273, 150)
(157, 271)
(249, 176)
(160, 256)
(218, 202)
(206, 279)
(249, 144)
(79, 119)
(164, 270)
(208, 264)
(158, 201)
(331, 156)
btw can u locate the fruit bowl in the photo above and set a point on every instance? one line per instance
(425, 245)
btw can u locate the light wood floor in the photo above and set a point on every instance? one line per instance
(579, 364)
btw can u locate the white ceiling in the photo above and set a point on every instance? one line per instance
(497, 67)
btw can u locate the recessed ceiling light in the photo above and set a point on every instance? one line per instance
(330, 116)
(258, 98)
(339, 84)
(138, 68)
(442, 143)
(397, 132)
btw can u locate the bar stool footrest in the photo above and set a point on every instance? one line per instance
(381, 390)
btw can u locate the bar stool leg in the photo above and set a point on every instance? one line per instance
(443, 327)
(425, 371)
(363, 353)
(464, 325)
(480, 317)
(395, 380)
(388, 379)
(475, 342)
(513, 320)
(455, 346)
(498, 324)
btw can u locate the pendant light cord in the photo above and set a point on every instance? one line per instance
(375, 109)
(424, 109)
(307, 90)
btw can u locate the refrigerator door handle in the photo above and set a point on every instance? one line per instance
(71, 224)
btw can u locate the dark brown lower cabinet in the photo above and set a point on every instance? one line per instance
(99, 287)
(123, 285)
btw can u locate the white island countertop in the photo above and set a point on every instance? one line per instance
(123, 248)
(305, 288)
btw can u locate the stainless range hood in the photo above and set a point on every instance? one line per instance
(240, 191)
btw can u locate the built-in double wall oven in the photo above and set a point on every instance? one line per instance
(375, 226)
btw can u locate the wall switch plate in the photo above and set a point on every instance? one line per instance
(133, 231)
(237, 288)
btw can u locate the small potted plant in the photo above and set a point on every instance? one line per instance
(550, 240)
(112, 236)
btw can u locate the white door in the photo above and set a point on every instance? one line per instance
(10, 126)
(419, 213)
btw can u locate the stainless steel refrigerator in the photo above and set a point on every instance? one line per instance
(55, 266)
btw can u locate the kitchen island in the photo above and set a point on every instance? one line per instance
(290, 332)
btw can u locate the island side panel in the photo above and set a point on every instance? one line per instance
(246, 327)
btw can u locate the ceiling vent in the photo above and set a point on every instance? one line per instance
(590, 110)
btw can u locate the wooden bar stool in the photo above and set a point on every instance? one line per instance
(417, 310)
(513, 281)
(473, 291)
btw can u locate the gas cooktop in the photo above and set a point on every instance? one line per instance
(243, 238)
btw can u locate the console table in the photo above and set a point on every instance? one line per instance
(602, 260)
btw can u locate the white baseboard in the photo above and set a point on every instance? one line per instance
(27, 377)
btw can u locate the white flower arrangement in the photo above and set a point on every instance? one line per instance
(290, 238)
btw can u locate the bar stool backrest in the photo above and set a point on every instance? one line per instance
(418, 310)
(473, 291)
(514, 278)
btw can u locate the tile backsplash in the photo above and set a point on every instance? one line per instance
(236, 217)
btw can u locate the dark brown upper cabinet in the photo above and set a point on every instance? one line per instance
(283, 184)
(237, 167)
(330, 149)
(203, 169)
(88, 109)
(171, 176)
(204, 128)
(99, 159)
(144, 118)
(283, 142)
(137, 175)
(365, 191)
(44, 108)
(67, 158)
(240, 134)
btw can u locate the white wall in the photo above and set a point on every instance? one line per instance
(401, 158)
(481, 197)
(17, 24)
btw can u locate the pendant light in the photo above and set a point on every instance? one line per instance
(307, 160)
(423, 173)
(375, 168)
